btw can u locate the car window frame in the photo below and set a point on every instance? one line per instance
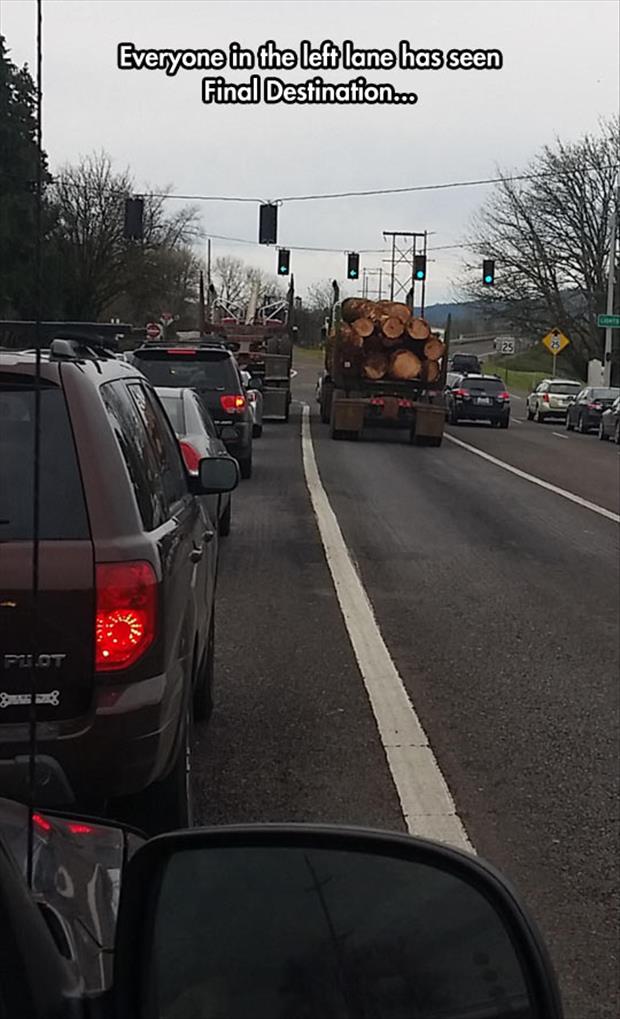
(174, 503)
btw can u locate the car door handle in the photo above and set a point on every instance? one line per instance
(208, 536)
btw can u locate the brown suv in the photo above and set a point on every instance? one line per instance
(120, 634)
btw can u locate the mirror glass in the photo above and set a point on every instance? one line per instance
(255, 382)
(297, 933)
(218, 474)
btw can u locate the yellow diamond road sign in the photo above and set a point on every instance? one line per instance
(555, 341)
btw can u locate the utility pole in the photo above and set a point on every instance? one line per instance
(611, 282)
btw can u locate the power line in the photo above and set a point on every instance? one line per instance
(447, 185)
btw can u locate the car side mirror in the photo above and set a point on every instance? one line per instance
(216, 474)
(299, 920)
(256, 383)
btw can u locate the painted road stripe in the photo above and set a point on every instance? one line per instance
(559, 435)
(426, 802)
(536, 481)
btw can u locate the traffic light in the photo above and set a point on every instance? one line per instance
(268, 224)
(284, 261)
(488, 272)
(419, 267)
(353, 265)
(134, 209)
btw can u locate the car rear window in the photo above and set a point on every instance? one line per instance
(564, 387)
(62, 510)
(605, 394)
(200, 370)
(173, 405)
(484, 385)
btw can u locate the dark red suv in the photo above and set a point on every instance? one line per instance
(120, 634)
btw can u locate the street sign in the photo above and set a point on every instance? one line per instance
(555, 341)
(153, 331)
(166, 317)
(507, 346)
(608, 321)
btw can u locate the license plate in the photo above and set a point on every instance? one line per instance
(484, 399)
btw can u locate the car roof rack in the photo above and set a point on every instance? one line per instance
(100, 337)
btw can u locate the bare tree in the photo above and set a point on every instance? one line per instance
(235, 281)
(550, 237)
(96, 266)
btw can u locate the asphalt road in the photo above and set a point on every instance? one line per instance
(498, 602)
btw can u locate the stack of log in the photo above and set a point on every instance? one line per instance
(383, 340)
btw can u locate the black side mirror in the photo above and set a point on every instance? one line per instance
(309, 921)
(256, 383)
(216, 474)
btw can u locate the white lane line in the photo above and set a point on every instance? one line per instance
(559, 435)
(537, 481)
(426, 802)
(515, 396)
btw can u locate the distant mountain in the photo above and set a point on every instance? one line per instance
(436, 314)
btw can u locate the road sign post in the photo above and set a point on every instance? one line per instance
(555, 341)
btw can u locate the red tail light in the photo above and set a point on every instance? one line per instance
(462, 393)
(41, 823)
(181, 350)
(232, 403)
(503, 396)
(595, 406)
(77, 828)
(126, 612)
(545, 397)
(191, 456)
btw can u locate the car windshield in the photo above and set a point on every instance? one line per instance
(202, 371)
(387, 600)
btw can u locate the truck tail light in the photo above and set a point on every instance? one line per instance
(125, 615)
(232, 403)
(191, 456)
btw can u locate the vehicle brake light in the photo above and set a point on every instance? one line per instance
(545, 397)
(503, 396)
(181, 350)
(191, 456)
(77, 828)
(377, 401)
(41, 823)
(125, 615)
(463, 394)
(232, 403)
(595, 406)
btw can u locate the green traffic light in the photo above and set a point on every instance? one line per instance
(488, 279)
(419, 274)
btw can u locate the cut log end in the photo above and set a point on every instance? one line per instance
(375, 366)
(392, 328)
(363, 327)
(418, 329)
(405, 365)
(434, 348)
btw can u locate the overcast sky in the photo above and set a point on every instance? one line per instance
(560, 75)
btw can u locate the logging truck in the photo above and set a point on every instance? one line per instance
(383, 367)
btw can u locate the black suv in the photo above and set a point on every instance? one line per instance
(478, 398)
(212, 371)
(118, 637)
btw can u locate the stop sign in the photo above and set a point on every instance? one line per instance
(153, 330)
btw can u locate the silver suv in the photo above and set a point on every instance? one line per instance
(551, 398)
